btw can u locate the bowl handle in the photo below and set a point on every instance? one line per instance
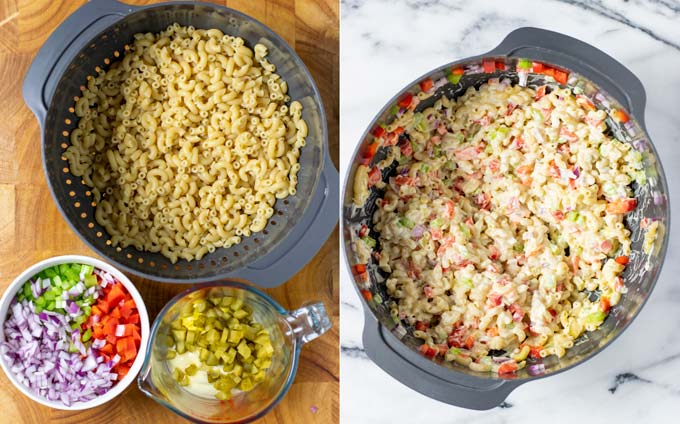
(304, 240)
(390, 354)
(592, 63)
(61, 47)
(309, 322)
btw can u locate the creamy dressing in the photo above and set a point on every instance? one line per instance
(198, 383)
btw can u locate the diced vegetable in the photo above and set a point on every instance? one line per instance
(426, 85)
(63, 357)
(621, 206)
(233, 348)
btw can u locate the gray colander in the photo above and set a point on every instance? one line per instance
(391, 344)
(94, 36)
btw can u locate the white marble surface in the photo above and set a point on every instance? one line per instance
(385, 44)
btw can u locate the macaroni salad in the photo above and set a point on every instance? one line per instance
(502, 231)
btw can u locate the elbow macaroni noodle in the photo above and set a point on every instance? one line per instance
(187, 142)
(502, 231)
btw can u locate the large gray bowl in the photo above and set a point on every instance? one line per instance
(391, 345)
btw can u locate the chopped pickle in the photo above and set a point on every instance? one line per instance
(243, 350)
(191, 370)
(225, 342)
(223, 395)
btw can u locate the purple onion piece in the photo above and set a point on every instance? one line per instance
(658, 198)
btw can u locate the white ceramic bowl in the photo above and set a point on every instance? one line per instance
(143, 319)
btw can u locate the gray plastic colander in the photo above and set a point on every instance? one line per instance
(390, 343)
(94, 36)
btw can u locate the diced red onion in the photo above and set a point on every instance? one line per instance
(40, 361)
(120, 330)
(536, 369)
(658, 198)
(418, 231)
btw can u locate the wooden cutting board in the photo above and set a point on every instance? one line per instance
(31, 228)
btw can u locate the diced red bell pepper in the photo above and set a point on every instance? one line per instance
(422, 325)
(368, 154)
(115, 295)
(367, 295)
(126, 348)
(605, 304)
(378, 131)
(359, 268)
(535, 352)
(507, 368)
(620, 115)
(426, 85)
(540, 91)
(620, 206)
(405, 101)
(374, 176)
(623, 260)
(500, 65)
(549, 72)
(537, 67)
(428, 350)
(489, 66)
(458, 71)
(561, 76)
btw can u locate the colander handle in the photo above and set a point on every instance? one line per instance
(575, 55)
(61, 47)
(426, 377)
(305, 239)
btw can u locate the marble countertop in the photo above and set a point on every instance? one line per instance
(385, 44)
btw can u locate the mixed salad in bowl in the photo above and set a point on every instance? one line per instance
(71, 333)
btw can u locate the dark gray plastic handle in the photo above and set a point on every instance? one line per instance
(427, 377)
(302, 243)
(51, 61)
(575, 55)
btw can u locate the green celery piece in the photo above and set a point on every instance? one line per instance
(41, 302)
(454, 78)
(87, 335)
(50, 272)
(49, 294)
(88, 269)
(595, 317)
(90, 280)
(58, 282)
(405, 222)
(524, 64)
(370, 242)
(27, 290)
(51, 306)
(437, 223)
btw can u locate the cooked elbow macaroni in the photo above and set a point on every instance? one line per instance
(502, 231)
(187, 142)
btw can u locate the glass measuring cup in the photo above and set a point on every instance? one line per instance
(289, 330)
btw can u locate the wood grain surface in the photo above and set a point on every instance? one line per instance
(31, 228)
